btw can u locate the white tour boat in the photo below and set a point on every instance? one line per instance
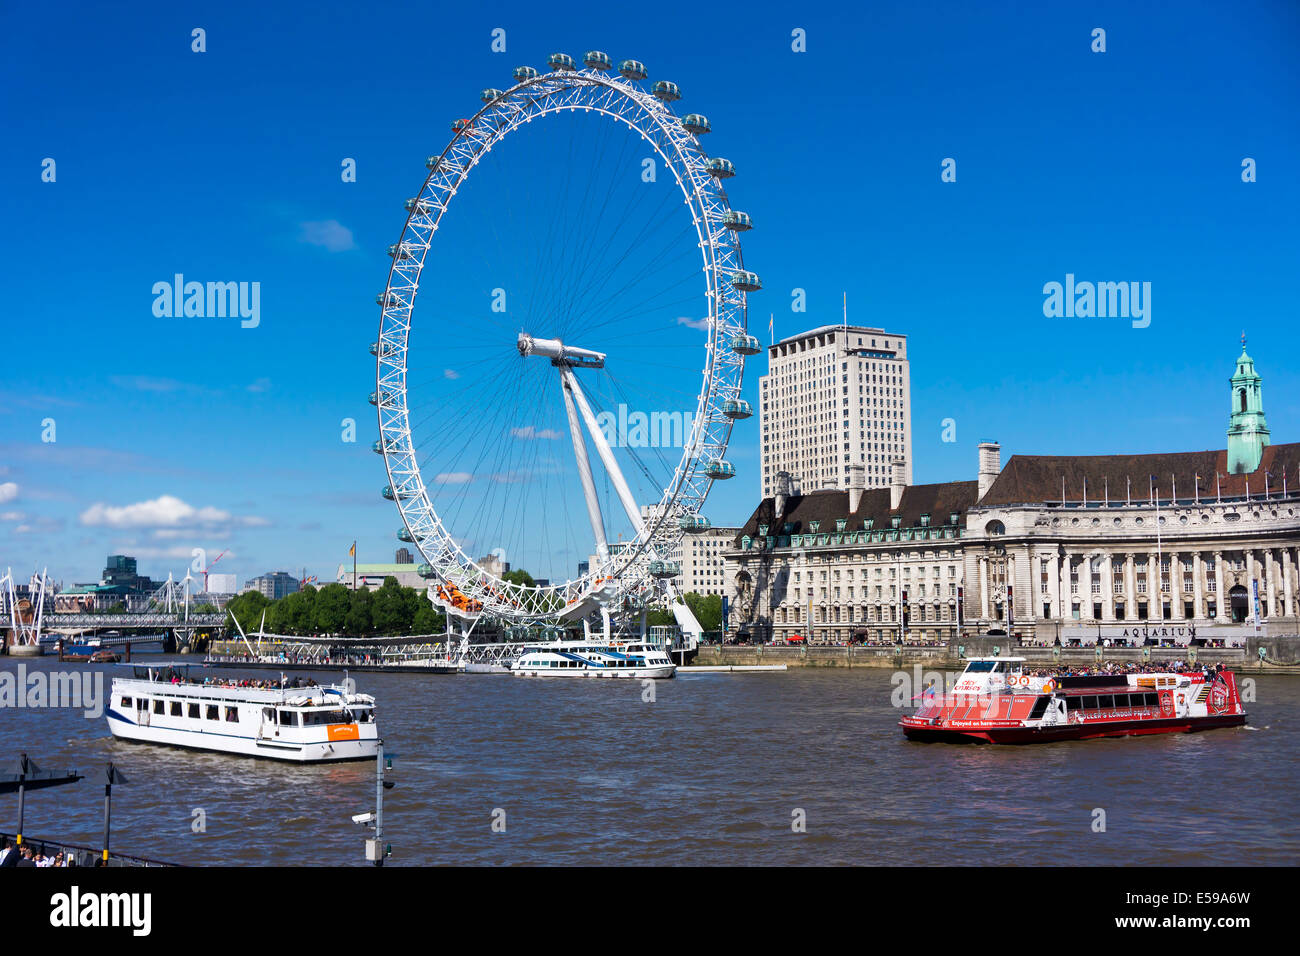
(593, 659)
(161, 704)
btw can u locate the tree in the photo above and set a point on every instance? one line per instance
(519, 576)
(247, 608)
(428, 620)
(333, 602)
(358, 622)
(707, 610)
(392, 612)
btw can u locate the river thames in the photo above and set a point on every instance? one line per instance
(717, 769)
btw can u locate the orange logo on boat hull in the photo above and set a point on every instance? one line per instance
(343, 731)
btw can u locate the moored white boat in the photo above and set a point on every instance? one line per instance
(594, 659)
(304, 724)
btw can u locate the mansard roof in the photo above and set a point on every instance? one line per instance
(1032, 479)
(939, 501)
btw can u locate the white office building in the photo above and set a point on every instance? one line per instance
(836, 396)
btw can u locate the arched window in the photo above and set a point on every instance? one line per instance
(1243, 399)
(995, 527)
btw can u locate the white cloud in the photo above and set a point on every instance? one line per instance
(261, 385)
(450, 373)
(147, 383)
(453, 478)
(528, 433)
(331, 234)
(164, 511)
(8, 492)
(701, 324)
(12, 516)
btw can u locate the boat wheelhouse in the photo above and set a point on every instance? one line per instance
(996, 700)
(594, 659)
(311, 723)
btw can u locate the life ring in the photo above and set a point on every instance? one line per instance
(1048, 687)
(1182, 700)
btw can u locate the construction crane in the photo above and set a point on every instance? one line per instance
(210, 567)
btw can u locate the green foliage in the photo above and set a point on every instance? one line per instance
(519, 576)
(118, 608)
(707, 609)
(330, 613)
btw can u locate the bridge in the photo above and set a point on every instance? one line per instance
(154, 620)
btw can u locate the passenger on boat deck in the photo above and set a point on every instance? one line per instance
(1127, 667)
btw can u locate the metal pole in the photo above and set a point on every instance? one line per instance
(108, 810)
(22, 797)
(379, 806)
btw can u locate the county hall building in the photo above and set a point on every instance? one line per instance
(1088, 549)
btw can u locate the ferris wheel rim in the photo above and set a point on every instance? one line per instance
(722, 376)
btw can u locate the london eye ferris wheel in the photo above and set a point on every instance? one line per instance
(562, 398)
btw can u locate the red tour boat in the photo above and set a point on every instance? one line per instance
(996, 701)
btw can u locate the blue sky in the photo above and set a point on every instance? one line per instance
(176, 433)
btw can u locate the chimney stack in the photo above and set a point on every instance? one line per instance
(783, 492)
(897, 482)
(990, 465)
(857, 484)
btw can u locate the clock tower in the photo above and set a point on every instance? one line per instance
(1247, 430)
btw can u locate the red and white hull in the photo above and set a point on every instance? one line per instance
(1003, 706)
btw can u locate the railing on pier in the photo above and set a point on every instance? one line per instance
(79, 855)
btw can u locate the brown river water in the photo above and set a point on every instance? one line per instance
(717, 769)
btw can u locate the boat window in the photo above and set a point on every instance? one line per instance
(1088, 703)
(1040, 707)
(141, 703)
(980, 667)
(211, 712)
(268, 714)
(1152, 699)
(126, 701)
(192, 710)
(1106, 701)
(288, 719)
(232, 714)
(176, 708)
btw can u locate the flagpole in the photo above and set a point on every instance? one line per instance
(1218, 498)
(1106, 490)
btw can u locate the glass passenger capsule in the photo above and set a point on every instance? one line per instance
(668, 92)
(523, 73)
(737, 408)
(490, 94)
(377, 446)
(696, 123)
(431, 163)
(737, 221)
(693, 524)
(633, 70)
(746, 281)
(401, 250)
(720, 168)
(720, 470)
(596, 60)
(459, 125)
(387, 300)
(665, 569)
(560, 61)
(424, 570)
(404, 535)
(421, 206)
(394, 496)
(745, 344)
